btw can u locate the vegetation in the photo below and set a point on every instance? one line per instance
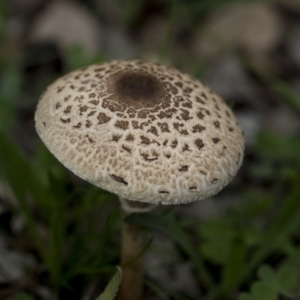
(251, 251)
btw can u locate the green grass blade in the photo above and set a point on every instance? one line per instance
(287, 93)
(290, 96)
(9, 89)
(279, 147)
(15, 168)
(168, 225)
(160, 293)
(287, 221)
(30, 192)
(146, 247)
(235, 264)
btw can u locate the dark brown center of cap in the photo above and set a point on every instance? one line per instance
(138, 89)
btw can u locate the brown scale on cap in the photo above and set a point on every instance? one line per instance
(141, 130)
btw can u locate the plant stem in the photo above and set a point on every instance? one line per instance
(132, 263)
(133, 273)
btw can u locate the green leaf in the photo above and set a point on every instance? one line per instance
(283, 280)
(168, 225)
(112, 288)
(217, 237)
(273, 282)
(245, 296)
(262, 291)
(284, 224)
(267, 274)
(294, 258)
(286, 279)
(235, 264)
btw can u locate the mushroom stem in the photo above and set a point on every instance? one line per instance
(133, 243)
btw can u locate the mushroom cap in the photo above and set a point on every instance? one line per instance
(141, 130)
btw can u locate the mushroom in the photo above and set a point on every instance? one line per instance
(145, 132)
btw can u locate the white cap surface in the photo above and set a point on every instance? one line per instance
(141, 130)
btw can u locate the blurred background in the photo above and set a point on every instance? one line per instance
(59, 236)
